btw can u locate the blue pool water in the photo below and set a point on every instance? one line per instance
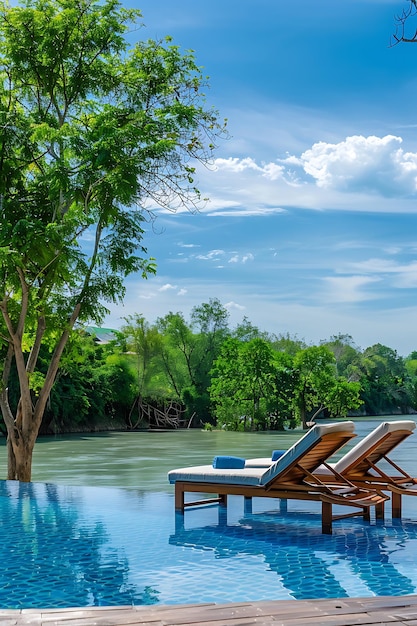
(81, 546)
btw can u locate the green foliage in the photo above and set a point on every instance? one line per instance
(384, 381)
(255, 387)
(176, 351)
(343, 396)
(245, 331)
(91, 131)
(316, 369)
(252, 385)
(189, 350)
(280, 405)
(345, 352)
(94, 389)
(243, 382)
(142, 342)
(288, 344)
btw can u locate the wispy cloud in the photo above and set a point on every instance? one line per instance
(167, 287)
(249, 212)
(234, 306)
(349, 288)
(272, 171)
(405, 273)
(212, 255)
(244, 258)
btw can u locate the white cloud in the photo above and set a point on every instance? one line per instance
(405, 273)
(167, 287)
(250, 212)
(212, 255)
(376, 266)
(369, 164)
(234, 305)
(244, 258)
(271, 171)
(349, 288)
(358, 173)
(407, 279)
(216, 202)
(182, 292)
(392, 250)
(234, 164)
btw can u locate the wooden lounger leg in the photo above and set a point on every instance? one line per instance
(380, 510)
(247, 505)
(223, 499)
(179, 497)
(222, 516)
(396, 505)
(182, 487)
(326, 518)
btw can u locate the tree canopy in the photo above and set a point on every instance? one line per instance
(92, 132)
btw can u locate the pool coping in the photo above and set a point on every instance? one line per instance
(333, 612)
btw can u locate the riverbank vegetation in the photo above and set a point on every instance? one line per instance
(202, 373)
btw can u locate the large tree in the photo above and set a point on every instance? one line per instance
(243, 384)
(92, 131)
(188, 351)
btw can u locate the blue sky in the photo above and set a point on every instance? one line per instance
(311, 225)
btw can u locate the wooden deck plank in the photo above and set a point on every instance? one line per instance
(373, 611)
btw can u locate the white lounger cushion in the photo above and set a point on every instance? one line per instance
(208, 474)
(262, 461)
(351, 457)
(258, 475)
(367, 442)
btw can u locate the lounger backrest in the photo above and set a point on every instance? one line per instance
(315, 447)
(374, 447)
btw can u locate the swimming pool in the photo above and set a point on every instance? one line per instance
(93, 546)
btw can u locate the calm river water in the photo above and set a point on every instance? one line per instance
(142, 459)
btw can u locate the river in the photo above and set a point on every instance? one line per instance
(142, 459)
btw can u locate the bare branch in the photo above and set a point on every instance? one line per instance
(401, 34)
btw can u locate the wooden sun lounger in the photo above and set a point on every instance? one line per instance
(360, 464)
(289, 478)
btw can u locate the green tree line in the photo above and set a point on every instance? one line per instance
(201, 372)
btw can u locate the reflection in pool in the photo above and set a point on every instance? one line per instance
(83, 546)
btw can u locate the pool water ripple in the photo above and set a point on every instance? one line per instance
(90, 546)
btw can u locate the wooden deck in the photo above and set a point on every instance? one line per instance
(382, 611)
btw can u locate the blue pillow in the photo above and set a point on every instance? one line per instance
(228, 462)
(276, 454)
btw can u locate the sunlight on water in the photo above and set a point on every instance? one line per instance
(98, 527)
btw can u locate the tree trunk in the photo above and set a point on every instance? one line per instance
(22, 433)
(19, 454)
(303, 415)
